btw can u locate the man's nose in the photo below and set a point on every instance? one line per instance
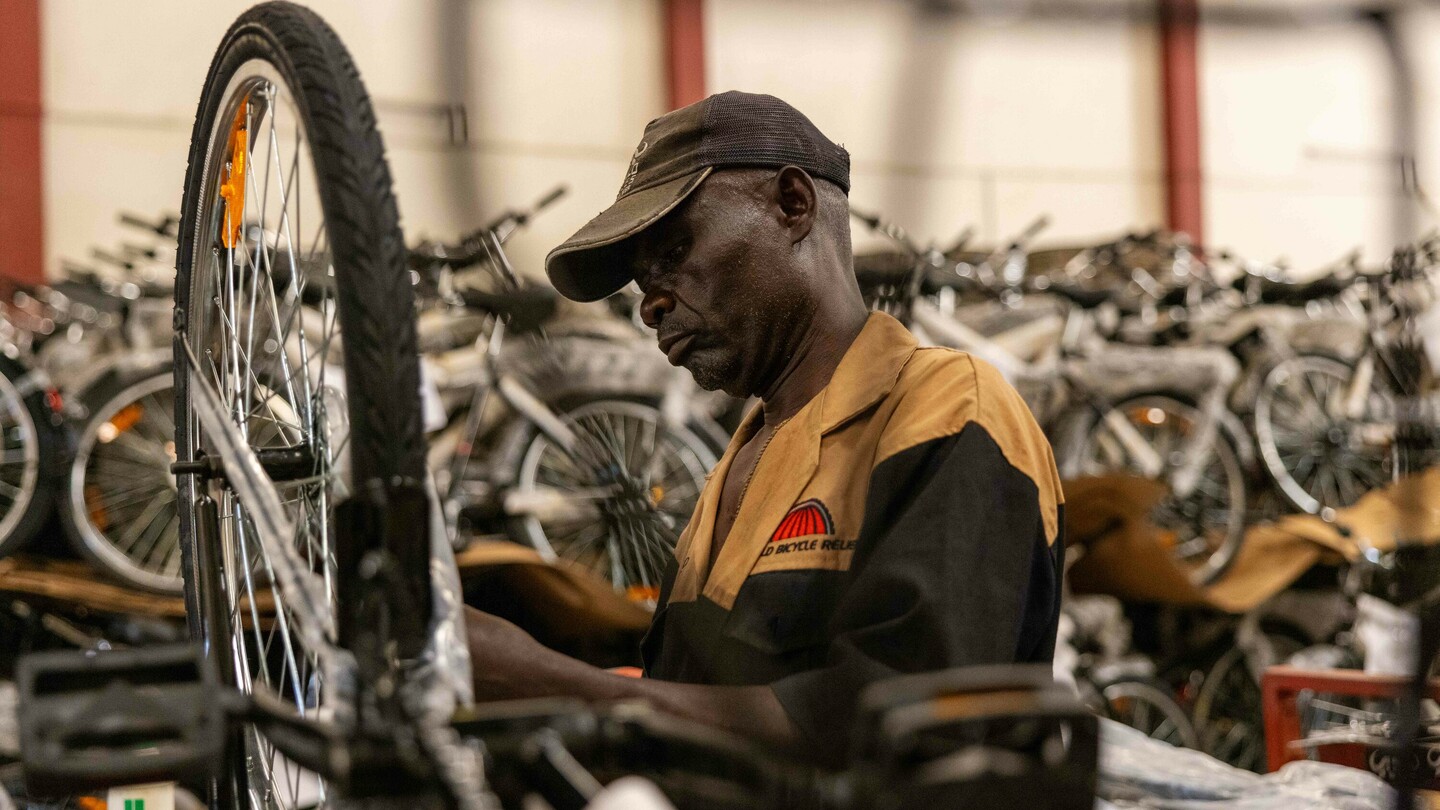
(655, 306)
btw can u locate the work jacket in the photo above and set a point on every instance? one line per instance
(906, 519)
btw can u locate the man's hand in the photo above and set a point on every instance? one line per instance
(509, 664)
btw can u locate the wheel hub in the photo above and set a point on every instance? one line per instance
(633, 500)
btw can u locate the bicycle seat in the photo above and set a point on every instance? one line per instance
(878, 269)
(1079, 296)
(1284, 292)
(89, 295)
(527, 308)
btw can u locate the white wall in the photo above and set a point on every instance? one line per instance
(1297, 143)
(556, 91)
(953, 122)
(950, 122)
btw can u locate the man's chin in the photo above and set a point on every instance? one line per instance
(709, 375)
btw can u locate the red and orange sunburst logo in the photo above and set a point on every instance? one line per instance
(809, 517)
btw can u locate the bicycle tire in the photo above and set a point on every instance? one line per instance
(1308, 495)
(1122, 694)
(98, 527)
(280, 58)
(30, 425)
(1227, 709)
(1077, 444)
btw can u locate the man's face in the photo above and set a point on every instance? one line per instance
(720, 286)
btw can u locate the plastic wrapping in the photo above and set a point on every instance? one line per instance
(1119, 372)
(1388, 635)
(630, 793)
(1136, 771)
(444, 665)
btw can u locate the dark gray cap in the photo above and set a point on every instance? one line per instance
(676, 153)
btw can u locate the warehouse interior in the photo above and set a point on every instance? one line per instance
(1198, 237)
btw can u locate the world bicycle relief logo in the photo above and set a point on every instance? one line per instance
(634, 169)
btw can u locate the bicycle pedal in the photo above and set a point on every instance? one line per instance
(93, 720)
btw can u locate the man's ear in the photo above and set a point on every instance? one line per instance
(796, 199)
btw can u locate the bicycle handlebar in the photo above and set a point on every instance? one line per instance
(960, 241)
(554, 196)
(167, 226)
(1025, 237)
(889, 230)
(474, 247)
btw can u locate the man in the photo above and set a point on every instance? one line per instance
(888, 508)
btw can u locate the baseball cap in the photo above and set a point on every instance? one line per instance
(676, 153)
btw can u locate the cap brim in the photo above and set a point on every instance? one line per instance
(589, 265)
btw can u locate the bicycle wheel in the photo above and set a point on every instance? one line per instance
(1147, 706)
(1207, 527)
(1228, 708)
(295, 308)
(622, 500)
(31, 444)
(120, 507)
(1317, 456)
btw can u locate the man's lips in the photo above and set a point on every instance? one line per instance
(676, 347)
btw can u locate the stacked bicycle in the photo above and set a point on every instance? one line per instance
(573, 436)
(1107, 406)
(319, 578)
(88, 354)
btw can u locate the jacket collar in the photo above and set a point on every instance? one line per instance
(868, 371)
(866, 374)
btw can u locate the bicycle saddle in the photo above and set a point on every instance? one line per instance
(1284, 292)
(888, 267)
(527, 308)
(90, 295)
(1079, 296)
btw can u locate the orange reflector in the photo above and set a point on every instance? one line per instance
(232, 185)
(94, 504)
(127, 417)
(642, 593)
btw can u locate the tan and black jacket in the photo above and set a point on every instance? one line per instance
(906, 519)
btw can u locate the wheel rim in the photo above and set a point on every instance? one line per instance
(262, 325)
(1307, 448)
(19, 458)
(1228, 707)
(633, 485)
(1148, 709)
(1218, 499)
(122, 496)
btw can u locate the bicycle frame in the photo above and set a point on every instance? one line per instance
(488, 378)
(1197, 449)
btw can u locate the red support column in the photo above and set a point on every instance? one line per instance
(21, 212)
(684, 52)
(1180, 80)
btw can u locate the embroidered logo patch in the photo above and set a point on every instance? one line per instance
(805, 518)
